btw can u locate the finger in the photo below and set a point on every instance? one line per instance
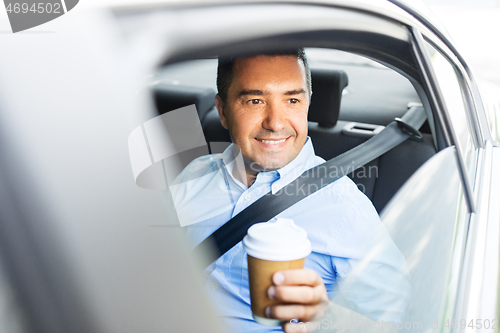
(293, 277)
(298, 294)
(303, 312)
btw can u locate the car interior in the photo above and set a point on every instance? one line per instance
(353, 99)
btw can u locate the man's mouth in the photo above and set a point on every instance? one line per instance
(272, 142)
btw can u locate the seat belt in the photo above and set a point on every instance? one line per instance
(270, 205)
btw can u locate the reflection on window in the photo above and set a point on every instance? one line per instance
(452, 94)
(12, 318)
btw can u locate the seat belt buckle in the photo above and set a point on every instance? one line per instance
(414, 134)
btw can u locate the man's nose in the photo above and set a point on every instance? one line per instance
(275, 117)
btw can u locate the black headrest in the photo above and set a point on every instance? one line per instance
(171, 97)
(327, 87)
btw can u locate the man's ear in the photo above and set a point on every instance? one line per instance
(219, 104)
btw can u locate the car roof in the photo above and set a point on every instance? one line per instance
(410, 12)
(387, 7)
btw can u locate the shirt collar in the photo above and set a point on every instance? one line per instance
(232, 162)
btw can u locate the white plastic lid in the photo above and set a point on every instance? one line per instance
(280, 240)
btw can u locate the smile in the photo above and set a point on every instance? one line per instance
(272, 142)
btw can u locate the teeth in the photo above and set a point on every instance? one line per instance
(272, 142)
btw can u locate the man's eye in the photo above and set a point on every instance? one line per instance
(293, 100)
(254, 101)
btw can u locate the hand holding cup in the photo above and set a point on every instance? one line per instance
(300, 294)
(272, 247)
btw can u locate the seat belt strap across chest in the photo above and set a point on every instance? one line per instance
(270, 205)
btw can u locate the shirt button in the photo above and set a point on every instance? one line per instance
(222, 274)
(213, 285)
(275, 187)
(248, 197)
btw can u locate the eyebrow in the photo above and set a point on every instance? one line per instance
(295, 92)
(256, 92)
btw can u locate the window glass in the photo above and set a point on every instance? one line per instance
(453, 95)
(490, 94)
(430, 233)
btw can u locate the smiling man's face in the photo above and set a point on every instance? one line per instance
(266, 110)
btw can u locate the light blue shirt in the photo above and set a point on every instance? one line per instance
(359, 263)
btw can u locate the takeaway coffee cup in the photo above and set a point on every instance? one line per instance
(271, 247)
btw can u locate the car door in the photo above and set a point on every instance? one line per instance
(466, 247)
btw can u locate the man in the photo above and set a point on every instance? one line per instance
(263, 101)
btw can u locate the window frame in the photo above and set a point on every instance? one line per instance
(440, 110)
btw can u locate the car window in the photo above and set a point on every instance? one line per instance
(490, 93)
(430, 232)
(454, 98)
(431, 224)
